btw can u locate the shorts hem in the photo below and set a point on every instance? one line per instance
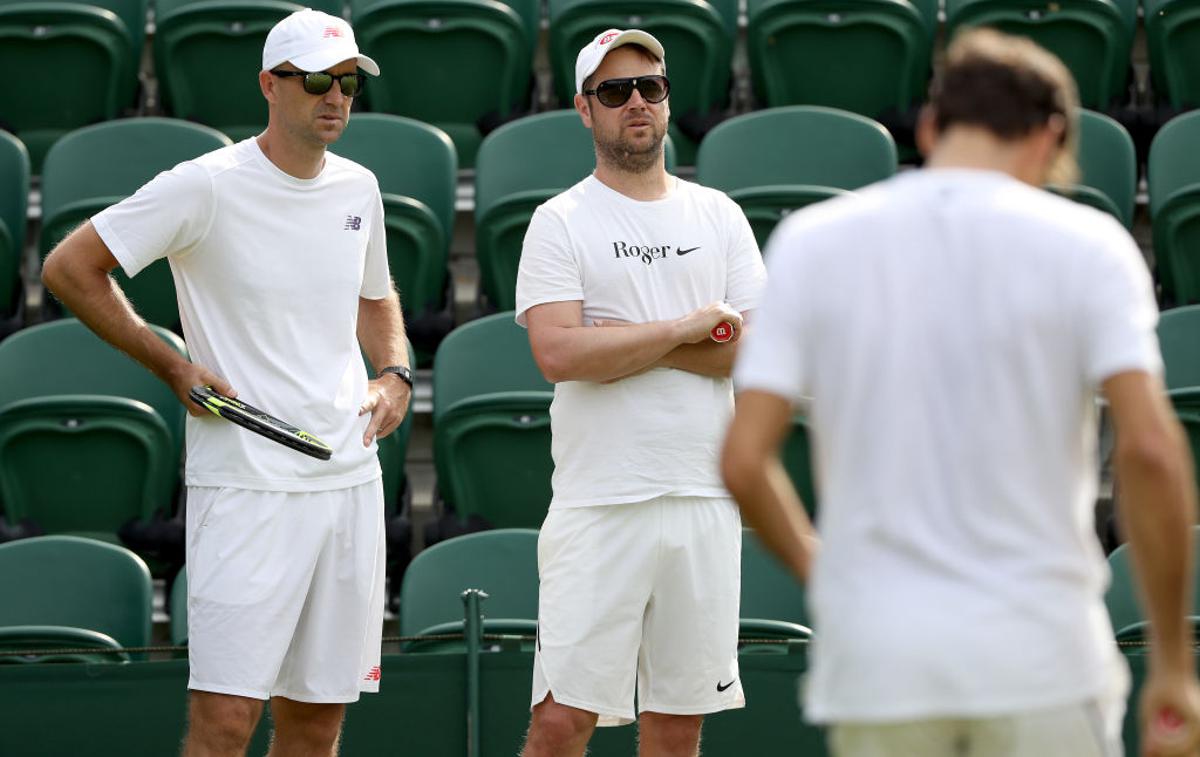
(311, 698)
(700, 709)
(237, 691)
(603, 714)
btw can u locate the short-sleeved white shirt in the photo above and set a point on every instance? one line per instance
(657, 433)
(268, 269)
(951, 328)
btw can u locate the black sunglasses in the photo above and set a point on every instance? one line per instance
(613, 93)
(320, 82)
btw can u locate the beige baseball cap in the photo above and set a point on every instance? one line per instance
(313, 41)
(593, 53)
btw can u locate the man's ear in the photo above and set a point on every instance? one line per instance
(266, 83)
(927, 131)
(584, 109)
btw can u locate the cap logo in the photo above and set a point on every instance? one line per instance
(332, 31)
(608, 38)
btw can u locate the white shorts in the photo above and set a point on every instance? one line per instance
(285, 592)
(640, 595)
(1089, 729)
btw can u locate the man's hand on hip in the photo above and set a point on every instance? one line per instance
(387, 402)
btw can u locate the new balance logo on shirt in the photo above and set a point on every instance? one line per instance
(353, 223)
(647, 253)
(374, 674)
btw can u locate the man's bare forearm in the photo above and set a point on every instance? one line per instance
(590, 353)
(711, 359)
(381, 331)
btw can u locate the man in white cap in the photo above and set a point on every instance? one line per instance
(622, 278)
(278, 252)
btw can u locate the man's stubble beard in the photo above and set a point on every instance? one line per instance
(624, 156)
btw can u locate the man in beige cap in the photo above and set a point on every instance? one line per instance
(278, 252)
(622, 278)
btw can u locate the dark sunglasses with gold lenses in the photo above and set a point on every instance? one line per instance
(320, 82)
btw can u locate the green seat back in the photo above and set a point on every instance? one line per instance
(485, 356)
(475, 59)
(177, 607)
(416, 166)
(491, 423)
(695, 34)
(502, 563)
(753, 158)
(1173, 42)
(1179, 340)
(208, 53)
(1187, 409)
(797, 456)
(769, 591)
(14, 198)
(1107, 167)
(92, 168)
(393, 450)
(65, 357)
(1093, 38)
(1173, 174)
(65, 644)
(85, 464)
(82, 583)
(493, 460)
(867, 56)
(507, 192)
(98, 47)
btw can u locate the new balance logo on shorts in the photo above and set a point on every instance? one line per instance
(648, 253)
(353, 223)
(374, 674)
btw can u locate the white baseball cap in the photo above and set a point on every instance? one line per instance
(593, 53)
(313, 41)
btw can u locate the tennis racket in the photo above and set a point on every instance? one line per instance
(722, 332)
(255, 420)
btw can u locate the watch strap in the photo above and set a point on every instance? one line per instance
(402, 371)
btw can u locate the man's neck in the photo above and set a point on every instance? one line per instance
(302, 161)
(652, 184)
(980, 150)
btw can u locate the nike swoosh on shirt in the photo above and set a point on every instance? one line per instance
(685, 252)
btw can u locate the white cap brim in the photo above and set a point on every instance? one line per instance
(331, 56)
(596, 55)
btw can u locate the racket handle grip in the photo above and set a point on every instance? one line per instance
(722, 332)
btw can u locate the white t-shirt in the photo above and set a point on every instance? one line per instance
(657, 433)
(951, 328)
(269, 270)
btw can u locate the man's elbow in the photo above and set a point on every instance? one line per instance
(737, 469)
(1158, 455)
(54, 273)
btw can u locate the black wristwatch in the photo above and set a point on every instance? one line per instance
(402, 371)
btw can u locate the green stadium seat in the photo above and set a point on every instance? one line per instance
(177, 607)
(207, 54)
(14, 198)
(867, 56)
(1173, 173)
(507, 192)
(698, 37)
(491, 425)
(502, 563)
(475, 59)
(755, 160)
(1187, 409)
(100, 165)
(797, 456)
(79, 63)
(1173, 42)
(1179, 340)
(1134, 643)
(1124, 609)
(65, 644)
(1107, 166)
(90, 438)
(79, 583)
(85, 464)
(1093, 38)
(416, 166)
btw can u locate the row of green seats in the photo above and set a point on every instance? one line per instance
(872, 57)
